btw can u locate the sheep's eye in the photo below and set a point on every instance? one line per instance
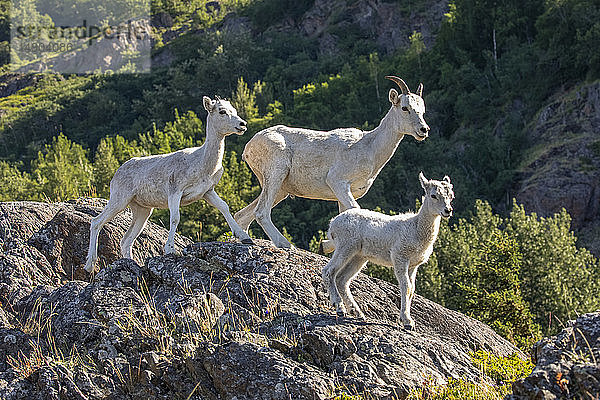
(433, 196)
(404, 108)
(222, 112)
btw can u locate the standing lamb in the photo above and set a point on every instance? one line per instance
(171, 180)
(402, 241)
(338, 165)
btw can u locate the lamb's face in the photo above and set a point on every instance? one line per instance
(224, 118)
(438, 195)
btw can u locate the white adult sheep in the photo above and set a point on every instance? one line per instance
(402, 241)
(338, 165)
(171, 180)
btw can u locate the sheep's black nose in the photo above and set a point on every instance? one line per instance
(243, 123)
(448, 210)
(424, 130)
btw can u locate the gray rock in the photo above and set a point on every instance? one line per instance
(220, 321)
(566, 364)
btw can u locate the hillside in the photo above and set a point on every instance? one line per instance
(562, 166)
(511, 94)
(220, 321)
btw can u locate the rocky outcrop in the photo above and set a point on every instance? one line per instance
(45, 243)
(566, 364)
(563, 167)
(219, 321)
(389, 24)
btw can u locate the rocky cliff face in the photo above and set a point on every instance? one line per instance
(219, 321)
(389, 24)
(562, 169)
(566, 364)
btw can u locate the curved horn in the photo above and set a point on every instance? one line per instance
(420, 90)
(399, 82)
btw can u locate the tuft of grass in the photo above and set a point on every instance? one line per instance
(44, 352)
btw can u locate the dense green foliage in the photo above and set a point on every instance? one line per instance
(489, 70)
(515, 273)
(500, 373)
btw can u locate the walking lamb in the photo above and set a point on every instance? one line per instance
(171, 180)
(338, 165)
(402, 241)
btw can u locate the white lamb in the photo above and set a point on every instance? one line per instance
(402, 241)
(171, 180)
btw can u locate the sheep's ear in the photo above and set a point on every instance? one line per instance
(420, 90)
(423, 180)
(447, 178)
(394, 97)
(208, 103)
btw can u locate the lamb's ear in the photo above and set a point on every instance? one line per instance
(420, 90)
(446, 178)
(394, 97)
(208, 103)
(423, 180)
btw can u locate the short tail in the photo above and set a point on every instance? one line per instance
(327, 245)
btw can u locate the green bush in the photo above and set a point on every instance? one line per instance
(500, 372)
(512, 273)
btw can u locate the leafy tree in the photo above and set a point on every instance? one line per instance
(558, 279)
(62, 169)
(244, 100)
(512, 272)
(16, 185)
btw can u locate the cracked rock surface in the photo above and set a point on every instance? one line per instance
(567, 365)
(218, 321)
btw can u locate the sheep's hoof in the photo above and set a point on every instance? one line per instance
(341, 312)
(409, 327)
(248, 241)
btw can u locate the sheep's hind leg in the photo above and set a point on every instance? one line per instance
(343, 280)
(138, 221)
(401, 272)
(340, 258)
(266, 201)
(413, 287)
(213, 199)
(113, 207)
(174, 201)
(245, 216)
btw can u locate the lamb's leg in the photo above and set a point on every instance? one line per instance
(110, 211)
(213, 199)
(174, 201)
(401, 272)
(266, 200)
(343, 280)
(413, 287)
(340, 258)
(140, 217)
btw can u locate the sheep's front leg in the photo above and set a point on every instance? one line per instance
(213, 199)
(174, 201)
(343, 193)
(404, 282)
